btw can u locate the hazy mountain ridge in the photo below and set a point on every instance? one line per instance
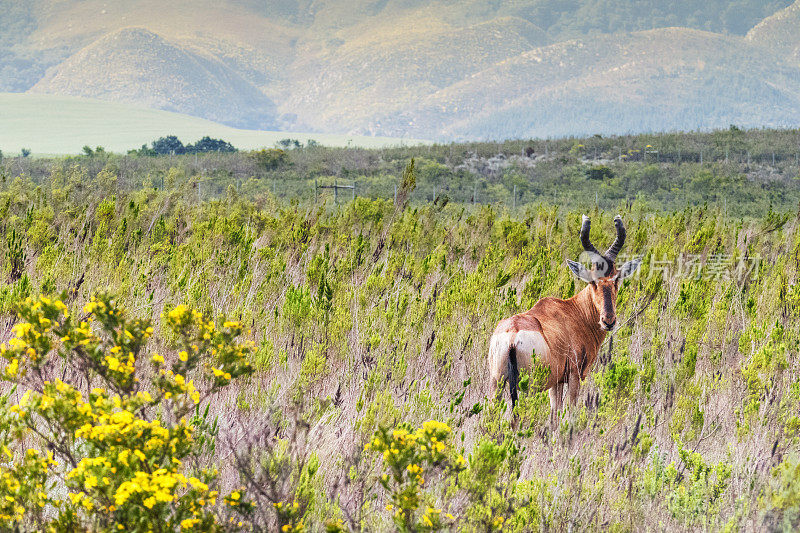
(618, 84)
(441, 69)
(136, 65)
(780, 32)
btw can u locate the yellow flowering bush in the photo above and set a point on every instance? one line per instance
(411, 456)
(99, 439)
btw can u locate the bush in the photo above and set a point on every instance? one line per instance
(410, 458)
(116, 448)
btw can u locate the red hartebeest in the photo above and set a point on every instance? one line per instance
(563, 335)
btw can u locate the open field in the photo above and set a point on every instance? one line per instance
(63, 125)
(303, 348)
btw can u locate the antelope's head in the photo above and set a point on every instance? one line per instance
(604, 277)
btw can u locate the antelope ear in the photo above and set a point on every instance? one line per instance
(580, 271)
(628, 268)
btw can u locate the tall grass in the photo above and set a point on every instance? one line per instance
(370, 314)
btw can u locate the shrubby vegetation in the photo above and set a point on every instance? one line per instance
(744, 172)
(282, 364)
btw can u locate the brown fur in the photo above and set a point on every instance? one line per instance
(572, 331)
(563, 335)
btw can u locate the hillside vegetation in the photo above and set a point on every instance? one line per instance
(441, 70)
(49, 124)
(285, 348)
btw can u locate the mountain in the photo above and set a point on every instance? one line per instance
(437, 69)
(780, 32)
(671, 78)
(382, 72)
(136, 65)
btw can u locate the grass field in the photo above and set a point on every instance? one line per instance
(55, 125)
(202, 348)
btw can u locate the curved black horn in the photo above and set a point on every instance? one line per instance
(601, 264)
(612, 252)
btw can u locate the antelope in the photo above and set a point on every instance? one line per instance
(562, 335)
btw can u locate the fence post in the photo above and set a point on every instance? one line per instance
(335, 191)
(515, 197)
(315, 190)
(395, 194)
(354, 190)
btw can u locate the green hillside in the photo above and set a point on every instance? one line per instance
(63, 125)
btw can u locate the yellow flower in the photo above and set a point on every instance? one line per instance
(13, 366)
(189, 523)
(113, 363)
(177, 313)
(158, 359)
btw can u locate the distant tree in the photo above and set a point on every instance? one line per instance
(207, 144)
(98, 151)
(25, 152)
(311, 143)
(168, 145)
(286, 144)
(270, 158)
(1, 156)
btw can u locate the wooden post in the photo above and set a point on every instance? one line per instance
(515, 197)
(395, 194)
(354, 190)
(335, 191)
(315, 190)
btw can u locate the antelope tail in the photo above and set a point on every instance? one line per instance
(513, 374)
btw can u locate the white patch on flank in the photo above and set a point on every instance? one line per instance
(526, 342)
